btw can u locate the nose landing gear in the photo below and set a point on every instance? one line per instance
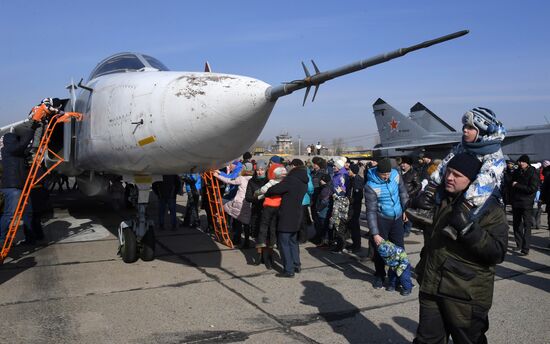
(137, 237)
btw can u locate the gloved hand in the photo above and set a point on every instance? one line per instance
(53, 110)
(459, 222)
(425, 200)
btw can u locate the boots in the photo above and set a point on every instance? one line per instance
(268, 258)
(246, 243)
(259, 257)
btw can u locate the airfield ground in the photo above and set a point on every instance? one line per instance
(75, 289)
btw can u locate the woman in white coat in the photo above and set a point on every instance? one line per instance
(238, 208)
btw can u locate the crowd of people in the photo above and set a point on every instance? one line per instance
(458, 201)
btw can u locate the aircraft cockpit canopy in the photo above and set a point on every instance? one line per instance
(127, 62)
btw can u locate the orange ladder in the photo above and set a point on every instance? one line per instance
(216, 208)
(32, 181)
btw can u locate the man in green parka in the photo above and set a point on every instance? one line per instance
(456, 273)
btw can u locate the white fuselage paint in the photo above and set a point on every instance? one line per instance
(195, 119)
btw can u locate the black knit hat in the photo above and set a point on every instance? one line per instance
(322, 163)
(524, 158)
(407, 160)
(384, 166)
(466, 164)
(354, 168)
(297, 162)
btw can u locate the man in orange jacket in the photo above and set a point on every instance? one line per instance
(41, 114)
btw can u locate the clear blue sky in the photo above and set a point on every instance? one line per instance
(503, 64)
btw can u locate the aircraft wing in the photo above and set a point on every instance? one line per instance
(415, 145)
(11, 127)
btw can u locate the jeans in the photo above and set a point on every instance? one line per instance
(407, 226)
(522, 223)
(171, 203)
(353, 224)
(11, 198)
(290, 251)
(404, 279)
(191, 210)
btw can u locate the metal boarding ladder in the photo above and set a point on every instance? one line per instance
(32, 181)
(216, 209)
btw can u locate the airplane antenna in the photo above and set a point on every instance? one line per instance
(84, 86)
(275, 92)
(72, 91)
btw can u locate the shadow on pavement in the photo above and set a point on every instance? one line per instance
(12, 269)
(348, 321)
(347, 264)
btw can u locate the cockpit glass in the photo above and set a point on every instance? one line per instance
(120, 63)
(155, 63)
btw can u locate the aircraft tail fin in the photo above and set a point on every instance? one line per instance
(394, 127)
(428, 120)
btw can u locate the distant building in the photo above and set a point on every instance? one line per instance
(283, 144)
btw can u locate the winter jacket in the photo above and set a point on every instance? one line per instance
(412, 182)
(506, 187)
(394, 256)
(273, 201)
(13, 159)
(168, 188)
(193, 183)
(323, 201)
(356, 190)
(292, 189)
(316, 177)
(238, 208)
(487, 150)
(463, 269)
(254, 184)
(523, 193)
(384, 198)
(545, 188)
(339, 182)
(231, 191)
(309, 193)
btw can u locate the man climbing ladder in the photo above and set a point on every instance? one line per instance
(16, 182)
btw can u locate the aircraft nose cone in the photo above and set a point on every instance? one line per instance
(212, 118)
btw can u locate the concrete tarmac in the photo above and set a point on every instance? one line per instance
(74, 288)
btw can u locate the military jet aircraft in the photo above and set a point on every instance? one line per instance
(423, 131)
(142, 121)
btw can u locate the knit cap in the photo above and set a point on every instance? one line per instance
(261, 164)
(339, 162)
(524, 158)
(279, 173)
(466, 164)
(384, 165)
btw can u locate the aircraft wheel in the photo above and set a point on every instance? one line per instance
(128, 250)
(129, 192)
(147, 249)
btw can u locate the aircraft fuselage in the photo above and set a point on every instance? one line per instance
(160, 122)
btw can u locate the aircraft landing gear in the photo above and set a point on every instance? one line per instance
(137, 237)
